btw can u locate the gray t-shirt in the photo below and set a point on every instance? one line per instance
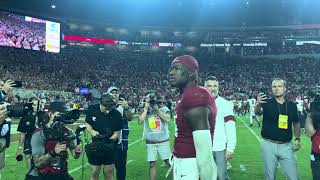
(38, 148)
(155, 128)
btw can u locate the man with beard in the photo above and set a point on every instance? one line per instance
(196, 113)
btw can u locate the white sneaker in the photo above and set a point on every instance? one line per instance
(228, 166)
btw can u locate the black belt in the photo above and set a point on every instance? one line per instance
(276, 142)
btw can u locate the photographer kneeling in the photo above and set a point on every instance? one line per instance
(103, 122)
(49, 147)
(312, 128)
(155, 116)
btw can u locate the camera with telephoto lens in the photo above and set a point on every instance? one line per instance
(68, 117)
(152, 99)
(60, 135)
(19, 109)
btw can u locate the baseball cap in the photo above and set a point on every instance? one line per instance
(107, 100)
(112, 88)
(188, 61)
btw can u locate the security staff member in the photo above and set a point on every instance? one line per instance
(279, 115)
(122, 144)
(103, 122)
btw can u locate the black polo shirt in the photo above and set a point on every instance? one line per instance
(271, 110)
(27, 125)
(104, 124)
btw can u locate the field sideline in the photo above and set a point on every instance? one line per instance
(246, 164)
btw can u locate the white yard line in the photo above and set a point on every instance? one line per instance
(130, 161)
(242, 167)
(76, 169)
(135, 142)
(258, 138)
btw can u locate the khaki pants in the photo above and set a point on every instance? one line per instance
(272, 154)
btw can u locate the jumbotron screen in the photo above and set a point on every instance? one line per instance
(29, 33)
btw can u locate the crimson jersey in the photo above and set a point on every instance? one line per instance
(192, 97)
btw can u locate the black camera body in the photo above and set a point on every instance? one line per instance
(61, 134)
(19, 109)
(152, 99)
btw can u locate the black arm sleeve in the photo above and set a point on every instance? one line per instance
(89, 116)
(118, 121)
(22, 125)
(295, 113)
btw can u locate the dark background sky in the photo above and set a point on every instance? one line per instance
(184, 13)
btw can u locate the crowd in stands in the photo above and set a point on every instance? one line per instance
(16, 32)
(135, 74)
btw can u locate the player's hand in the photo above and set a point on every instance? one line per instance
(261, 99)
(78, 149)
(156, 107)
(146, 105)
(60, 147)
(297, 145)
(8, 86)
(229, 155)
(122, 102)
(94, 133)
(3, 113)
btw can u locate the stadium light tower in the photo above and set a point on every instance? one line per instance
(53, 6)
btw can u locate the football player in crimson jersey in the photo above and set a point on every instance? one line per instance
(196, 113)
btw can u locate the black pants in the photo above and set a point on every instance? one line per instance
(315, 167)
(121, 163)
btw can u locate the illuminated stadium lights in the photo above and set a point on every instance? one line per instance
(109, 29)
(73, 26)
(144, 32)
(191, 34)
(123, 31)
(86, 27)
(177, 33)
(53, 6)
(156, 33)
(122, 47)
(191, 49)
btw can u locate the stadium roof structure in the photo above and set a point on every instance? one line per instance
(173, 13)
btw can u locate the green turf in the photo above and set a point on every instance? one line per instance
(246, 164)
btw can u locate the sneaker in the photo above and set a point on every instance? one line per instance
(229, 166)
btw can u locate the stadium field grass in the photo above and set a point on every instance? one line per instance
(246, 164)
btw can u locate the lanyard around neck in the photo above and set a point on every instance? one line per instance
(285, 103)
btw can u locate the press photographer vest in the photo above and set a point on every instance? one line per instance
(53, 169)
(316, 143)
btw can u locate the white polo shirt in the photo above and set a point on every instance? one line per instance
(225, 130)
